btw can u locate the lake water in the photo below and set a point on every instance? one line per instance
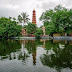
(35, 56)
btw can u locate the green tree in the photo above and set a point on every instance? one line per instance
(46, 16)
(9, 28)
(10, 18)
(38, 32)
(19, 18)
(60, 17)
(25, 17)
(25, 27)
(31, 28)
(14, 18)
(50, 28)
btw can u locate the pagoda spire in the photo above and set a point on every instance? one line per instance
(34, 17)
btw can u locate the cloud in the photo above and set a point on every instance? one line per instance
(7, 12)
(40, 0)
(14, 7)
(48, 5)
(67, 3)
(13, 2)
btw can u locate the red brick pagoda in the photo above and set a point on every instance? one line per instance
(34, 17)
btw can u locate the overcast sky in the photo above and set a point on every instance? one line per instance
(15, 7)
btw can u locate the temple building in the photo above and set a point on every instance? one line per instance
(34, 22)
(23, 33)
(34, 17)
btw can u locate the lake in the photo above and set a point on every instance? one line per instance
(35, 56)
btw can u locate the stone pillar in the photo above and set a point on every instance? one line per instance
(43, 28)
(65, 34)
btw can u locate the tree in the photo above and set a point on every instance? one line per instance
(10, 18)
(23, 18)
(25, 27)
(46, 16)
(39, 32)
(19, 18)
(14, 18)
(60, 17)
(31, 28)
(9, 28)
(59, 8)
(50, 29)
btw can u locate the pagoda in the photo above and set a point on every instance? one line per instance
(34, 17)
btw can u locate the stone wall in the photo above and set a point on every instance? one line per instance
(57, 34)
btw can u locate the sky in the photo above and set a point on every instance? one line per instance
(14, 8)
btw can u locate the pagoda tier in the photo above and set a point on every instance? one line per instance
(34, 17)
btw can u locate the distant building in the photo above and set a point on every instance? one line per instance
(34, 17)
(23, 33)
(34, 22)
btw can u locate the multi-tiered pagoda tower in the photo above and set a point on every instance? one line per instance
(34, 17)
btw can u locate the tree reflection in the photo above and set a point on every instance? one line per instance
(31, 46)
(58, 56)
(58, 53)
(22, 56)
(8, 46)
(11, 49)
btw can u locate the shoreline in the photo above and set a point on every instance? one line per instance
(62, 38)
(54, 38)
(29, 38)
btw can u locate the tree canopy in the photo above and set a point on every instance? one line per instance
(58, 20)
(9, 28)
(23, 18)
(38, 32)
(31, 28)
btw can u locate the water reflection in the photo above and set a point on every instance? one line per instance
(31, 46)
(56, 54)
(8, 46)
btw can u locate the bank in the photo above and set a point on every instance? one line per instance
(55, 38)
(31, 38)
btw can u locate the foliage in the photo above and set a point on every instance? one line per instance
(19, 19)
(31, 28)
(9, 28)
(23, 18)
(46, 23)
(60, 18)
(38, 32)
(25, 27)
(46, 16)
(50, 28)
(14, 18)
